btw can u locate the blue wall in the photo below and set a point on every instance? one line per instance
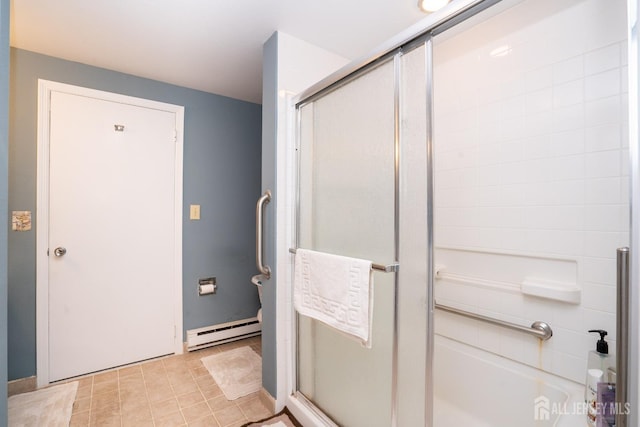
(222, 172)
(4, 166)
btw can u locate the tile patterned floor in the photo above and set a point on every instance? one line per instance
(171, 391)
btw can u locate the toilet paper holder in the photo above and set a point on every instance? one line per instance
(207, 286)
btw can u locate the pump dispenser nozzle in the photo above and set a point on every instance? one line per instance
(601, 346)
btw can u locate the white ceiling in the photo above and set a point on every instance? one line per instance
(209, 45)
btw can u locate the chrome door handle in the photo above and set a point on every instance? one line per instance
(264, 269)
(59, 251)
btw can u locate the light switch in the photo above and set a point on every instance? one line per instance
(194, 212)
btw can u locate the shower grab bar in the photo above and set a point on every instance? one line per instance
(264, 269)
(538, 329)
(390, 268)
(622, 339)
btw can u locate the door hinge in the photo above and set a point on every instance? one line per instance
(175, 135)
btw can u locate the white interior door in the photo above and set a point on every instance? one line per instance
(111, 207)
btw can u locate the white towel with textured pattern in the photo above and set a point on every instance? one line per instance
(335, 290)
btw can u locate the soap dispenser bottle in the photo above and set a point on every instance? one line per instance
(599, 363)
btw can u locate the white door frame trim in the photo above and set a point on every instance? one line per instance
(45, 87)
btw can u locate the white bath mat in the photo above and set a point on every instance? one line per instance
(51, 406)
(237, 372)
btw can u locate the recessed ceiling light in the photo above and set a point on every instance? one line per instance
(432, 5)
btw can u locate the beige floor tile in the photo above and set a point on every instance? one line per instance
(132, 381)
(195, 412)
(165, 407)
(211, 392)
(140, 417)
(190, 399)
(106, 401)
(129, 371)
(84, 392)
(254, 409)
(105, 387)
(156, 394)
(157, 381)
(80, 419)
(185, 387)
(199, 371)
(137, 423)
(171, 391)
(81, 405)
(208, 421)
(134, 404)
(172, 420)
(105, 419)
(229, 415)
(86, 381)
(105, 377)
(220, 402)
(205, 381)
(138, 393)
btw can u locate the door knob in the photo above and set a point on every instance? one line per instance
(59, 251)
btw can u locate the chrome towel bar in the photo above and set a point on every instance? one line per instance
(391, 268)
(538, 329)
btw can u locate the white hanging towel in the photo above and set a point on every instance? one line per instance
(335, 290)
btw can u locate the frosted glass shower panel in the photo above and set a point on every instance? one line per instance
(347, 161)
(346, 207)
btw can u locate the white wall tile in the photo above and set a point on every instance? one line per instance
(539, 78)
(538, 147)
(604, 191)
(570, 342)
(599, 270)
(538, 123)
(568, 366)
(602, 85)
(602, 164)
(568, 118)
(568, 143)
(569, 317)
(537, 167)
(569, 93)
(603, 111)
(595, 319)
(600, 138)
(599, 297)
(602, 59)
(540, 100)
(568, 69)
(568, 167)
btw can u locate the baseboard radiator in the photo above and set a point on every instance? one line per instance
(222, 333)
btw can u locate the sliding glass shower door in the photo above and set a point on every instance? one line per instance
(347, 207)
(489, 159)
(363, 193)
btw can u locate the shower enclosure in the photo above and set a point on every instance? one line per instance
(484, 162)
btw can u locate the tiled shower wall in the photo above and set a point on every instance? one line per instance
(531, 169)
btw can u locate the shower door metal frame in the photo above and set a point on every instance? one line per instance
(392, 56)
(434, 24)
